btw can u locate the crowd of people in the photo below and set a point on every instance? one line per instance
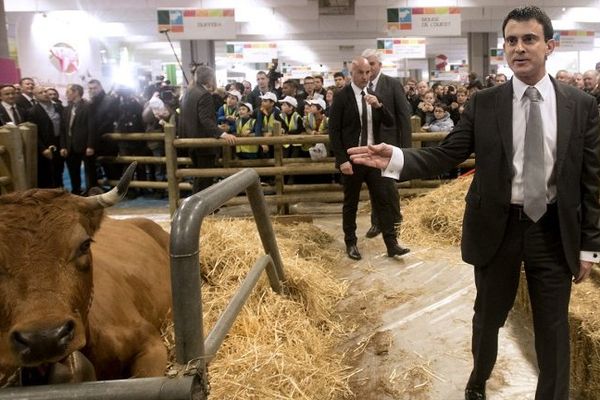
(71, 133)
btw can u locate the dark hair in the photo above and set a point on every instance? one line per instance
(292, 83)
(439, 104)
(26, 78)
(309, 77)
(338, 74)
(261, 73)
(435, 86)
(94, 82)
(77, 88)
(527, 13)
(319, 77)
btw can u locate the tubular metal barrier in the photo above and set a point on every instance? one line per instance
(185, 267)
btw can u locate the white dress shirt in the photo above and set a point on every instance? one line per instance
(520, 113)
(358, 96)
(9, 110)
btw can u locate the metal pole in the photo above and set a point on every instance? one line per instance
(217, 334)
(180, 388)
(171, 167)
(265, 229)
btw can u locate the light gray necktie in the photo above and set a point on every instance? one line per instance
(534, 176)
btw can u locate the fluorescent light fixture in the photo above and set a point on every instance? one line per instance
(581, 14)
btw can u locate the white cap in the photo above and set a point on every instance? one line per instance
(235, 93)
(320, 102)
(247, 105)
(269, 96)
(290, 100)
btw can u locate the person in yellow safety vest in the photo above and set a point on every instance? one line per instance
(316, 122)
(244, 127)
(292, 124)
(227, 113)
(265, 118)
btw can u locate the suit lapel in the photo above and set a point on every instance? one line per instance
(564, 114)
(504, 104)
(352, 99)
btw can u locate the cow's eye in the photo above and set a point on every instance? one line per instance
(84, 248)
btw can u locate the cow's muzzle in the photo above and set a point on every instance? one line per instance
(37, 346)
(117, 193)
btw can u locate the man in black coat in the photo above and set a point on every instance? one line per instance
(9, 111)
(77, 139)
(46, 116)
(25, 100)
(356, 117)
(103, 114)
(558, 243)
(198, 120)
(391, 93)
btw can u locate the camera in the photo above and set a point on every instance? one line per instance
(273, 74)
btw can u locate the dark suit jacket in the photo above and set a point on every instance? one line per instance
(345, 126)
(391, 93)
(198, 118)
(45, 128)
(24, 106)
(4, 117)
(82, 134)
(486, 129)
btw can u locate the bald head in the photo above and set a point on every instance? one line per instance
(361, 71)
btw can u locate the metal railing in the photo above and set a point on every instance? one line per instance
(185, 267)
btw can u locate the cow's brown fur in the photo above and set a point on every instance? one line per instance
(45, 278)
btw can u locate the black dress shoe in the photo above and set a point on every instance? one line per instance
(397, 250)
(373, 231)
(353, 252)
(474, 394)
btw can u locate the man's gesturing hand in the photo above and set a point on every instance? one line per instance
(376, 155)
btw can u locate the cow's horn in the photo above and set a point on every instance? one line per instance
(117, 193)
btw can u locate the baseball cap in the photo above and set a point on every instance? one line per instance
(235, 93)
(269, 96)
(319, 102)
(247, 105)
(290, 100)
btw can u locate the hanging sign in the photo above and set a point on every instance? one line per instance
(431, 21)
(254, 52)
(574, 40)
(185, 23)
(402, 47)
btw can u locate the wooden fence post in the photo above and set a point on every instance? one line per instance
(30, 151)
(171, 164)
(11, 139)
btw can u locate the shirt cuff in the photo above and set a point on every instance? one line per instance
(394, 168)
(591, 256)
(222, 135)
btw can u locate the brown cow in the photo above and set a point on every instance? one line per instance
(53, 303)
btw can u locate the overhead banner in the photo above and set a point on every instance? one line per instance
(185, 23)
(402, 47)
(433, 21)
(574, 40)
(254, 52)
(497, 57)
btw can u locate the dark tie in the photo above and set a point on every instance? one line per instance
(534, 176)
(363, 120)
(16, 116)
(371, 85)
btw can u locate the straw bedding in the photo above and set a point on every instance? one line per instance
(279, 347)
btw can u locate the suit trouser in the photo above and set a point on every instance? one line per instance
(395, 197)
(202, 160)
(379, 191)
(74, 167)
(538, 246)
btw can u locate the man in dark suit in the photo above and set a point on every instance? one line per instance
(77, 139)
(46, 116)
(391, 93)
(198, 120)
(9, 111)
(25, 100)
(356, 117)
(504, 225)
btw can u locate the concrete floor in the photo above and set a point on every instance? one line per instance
(421, 305)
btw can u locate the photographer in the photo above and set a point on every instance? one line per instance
(274, 77)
